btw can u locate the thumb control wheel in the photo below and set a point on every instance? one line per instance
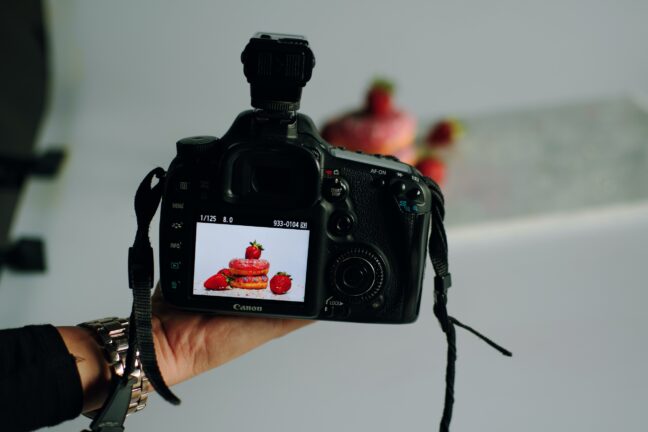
(358, 274)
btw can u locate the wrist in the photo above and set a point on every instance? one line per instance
(92, 366)
(112, 335)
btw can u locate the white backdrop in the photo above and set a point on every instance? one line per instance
(566, 295)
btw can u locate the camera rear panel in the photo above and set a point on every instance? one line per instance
(369, 232)
(352, 234)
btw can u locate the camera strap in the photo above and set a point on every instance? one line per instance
(140, 281)
(140, 335)
(438, 250)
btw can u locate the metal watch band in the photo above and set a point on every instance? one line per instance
(112, 334)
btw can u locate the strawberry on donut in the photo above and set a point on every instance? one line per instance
(249, 267)
(250, 282)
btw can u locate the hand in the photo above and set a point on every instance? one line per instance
(186, 344)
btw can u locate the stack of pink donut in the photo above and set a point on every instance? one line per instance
(378, 128)
(249, 273)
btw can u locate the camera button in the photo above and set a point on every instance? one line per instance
(415, 194)
(379, 182)
(335, 189)
(195, 146)
(398, 187)
(336, 311)
(341, 223)
(328, 311)
(378, 302)
(182, 185)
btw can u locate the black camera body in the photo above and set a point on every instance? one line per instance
(344, 234)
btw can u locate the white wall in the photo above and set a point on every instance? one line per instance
(174, 66)
(132, 77)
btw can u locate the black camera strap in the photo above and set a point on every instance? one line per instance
(438, 250)
(140, 337)
(140, 280)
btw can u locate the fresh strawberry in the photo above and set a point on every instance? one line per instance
(379, 98)
(444, 133)
(227, 272)
(217, 282)
(280, 283)
(433, 168)
(253, 251)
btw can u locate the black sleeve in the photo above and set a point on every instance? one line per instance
(39, 381)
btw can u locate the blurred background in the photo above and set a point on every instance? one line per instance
(547, 194)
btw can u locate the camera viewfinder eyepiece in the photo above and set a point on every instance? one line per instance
(277, 66)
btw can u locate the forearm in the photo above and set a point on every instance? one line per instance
(40, 385)
(60, 372)
(93, 360)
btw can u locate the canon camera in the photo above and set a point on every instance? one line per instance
(272, 220)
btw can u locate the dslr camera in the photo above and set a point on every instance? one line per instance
(272, 220)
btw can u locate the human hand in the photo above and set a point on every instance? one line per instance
(189, 343)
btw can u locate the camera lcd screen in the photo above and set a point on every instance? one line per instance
(261, 260)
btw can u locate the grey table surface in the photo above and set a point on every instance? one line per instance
(548, 160)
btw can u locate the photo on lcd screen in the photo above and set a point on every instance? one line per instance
(251, 262)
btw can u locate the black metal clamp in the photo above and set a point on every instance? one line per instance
(24, 255)
(15, 169)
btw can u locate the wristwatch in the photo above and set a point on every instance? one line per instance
(112, 335)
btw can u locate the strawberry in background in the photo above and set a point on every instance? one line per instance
(380, 98)
(432, 167)
(444, 133)
(438, 148)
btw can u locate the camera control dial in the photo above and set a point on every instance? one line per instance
(358, 274)
(195, 146)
